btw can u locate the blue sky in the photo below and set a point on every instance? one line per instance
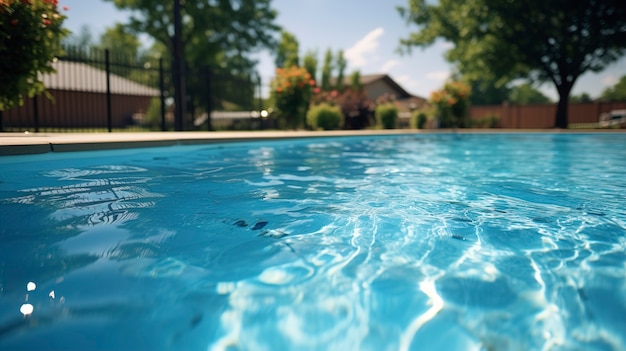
(368, 32)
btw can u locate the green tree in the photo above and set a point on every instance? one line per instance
(287, 51)
(218, 37)
(488, 92)
(327, 70)
(616, 92)
(584, 97)
(526, 94)
(341, 68)
(83, 39)
(310, 63)
(355, 81)
(216, 33)
(546, 40)
(31, 33)
(121, 42)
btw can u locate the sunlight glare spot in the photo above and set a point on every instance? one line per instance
(27, 309)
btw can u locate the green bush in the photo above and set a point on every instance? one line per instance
(324, 116)
(386, 115)
(153, 114)
(488, 121)
(418, 119)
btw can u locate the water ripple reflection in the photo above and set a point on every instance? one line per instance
(436, 242)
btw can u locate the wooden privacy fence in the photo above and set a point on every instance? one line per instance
(543, 116)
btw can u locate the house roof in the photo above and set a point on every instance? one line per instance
(78, 76)
(368, 79)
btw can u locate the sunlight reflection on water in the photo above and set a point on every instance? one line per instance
(459, 242)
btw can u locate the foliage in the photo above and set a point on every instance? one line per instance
(82, 39)
(121, 42)
(584, 97)
(153, 114)
(31, 32)
(419, 119)
(341, 68)
(488, 121)
(500, 40)
(488, 92)
(216, 34)
(386, 115)
(355, 81)
(291, 91)
(452, 103)
(616, 92)
(287, 51)
(310, 63)
(355, 106)
(525, 94)
(327, 70)
(324, 116)
(222, 35)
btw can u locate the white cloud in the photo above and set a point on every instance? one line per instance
(610, 81)
(389, 65)
(438, 75)
(359, 53)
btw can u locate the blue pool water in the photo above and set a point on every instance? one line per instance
(427, 242)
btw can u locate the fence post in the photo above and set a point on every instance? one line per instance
(108, 95)
(1, 121)
(162, 88)
(180, 94)
(36, 113)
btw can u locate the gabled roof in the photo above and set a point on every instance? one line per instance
(369, 79)
(76, 76)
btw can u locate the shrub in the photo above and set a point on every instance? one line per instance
(418, 119)
(153, 114)
(452, 103)
(386, 115)
(291, 91)
(488, 121)
(354, 105)
(324, 116)
(30, 38)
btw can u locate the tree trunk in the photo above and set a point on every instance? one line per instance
(564, 90)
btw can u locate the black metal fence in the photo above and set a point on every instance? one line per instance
(97, 90)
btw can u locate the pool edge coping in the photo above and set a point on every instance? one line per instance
(12, 144)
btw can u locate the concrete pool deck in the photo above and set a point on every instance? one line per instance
(37, 143)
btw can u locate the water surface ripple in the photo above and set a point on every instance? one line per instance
(427, 242)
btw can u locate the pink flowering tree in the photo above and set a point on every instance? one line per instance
(30, 38)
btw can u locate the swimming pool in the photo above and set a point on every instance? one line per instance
(411, 242)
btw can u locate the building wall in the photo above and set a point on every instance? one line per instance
(74, 109)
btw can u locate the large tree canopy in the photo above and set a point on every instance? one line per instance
(526, 94)
(545, 40)
(219, 33)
